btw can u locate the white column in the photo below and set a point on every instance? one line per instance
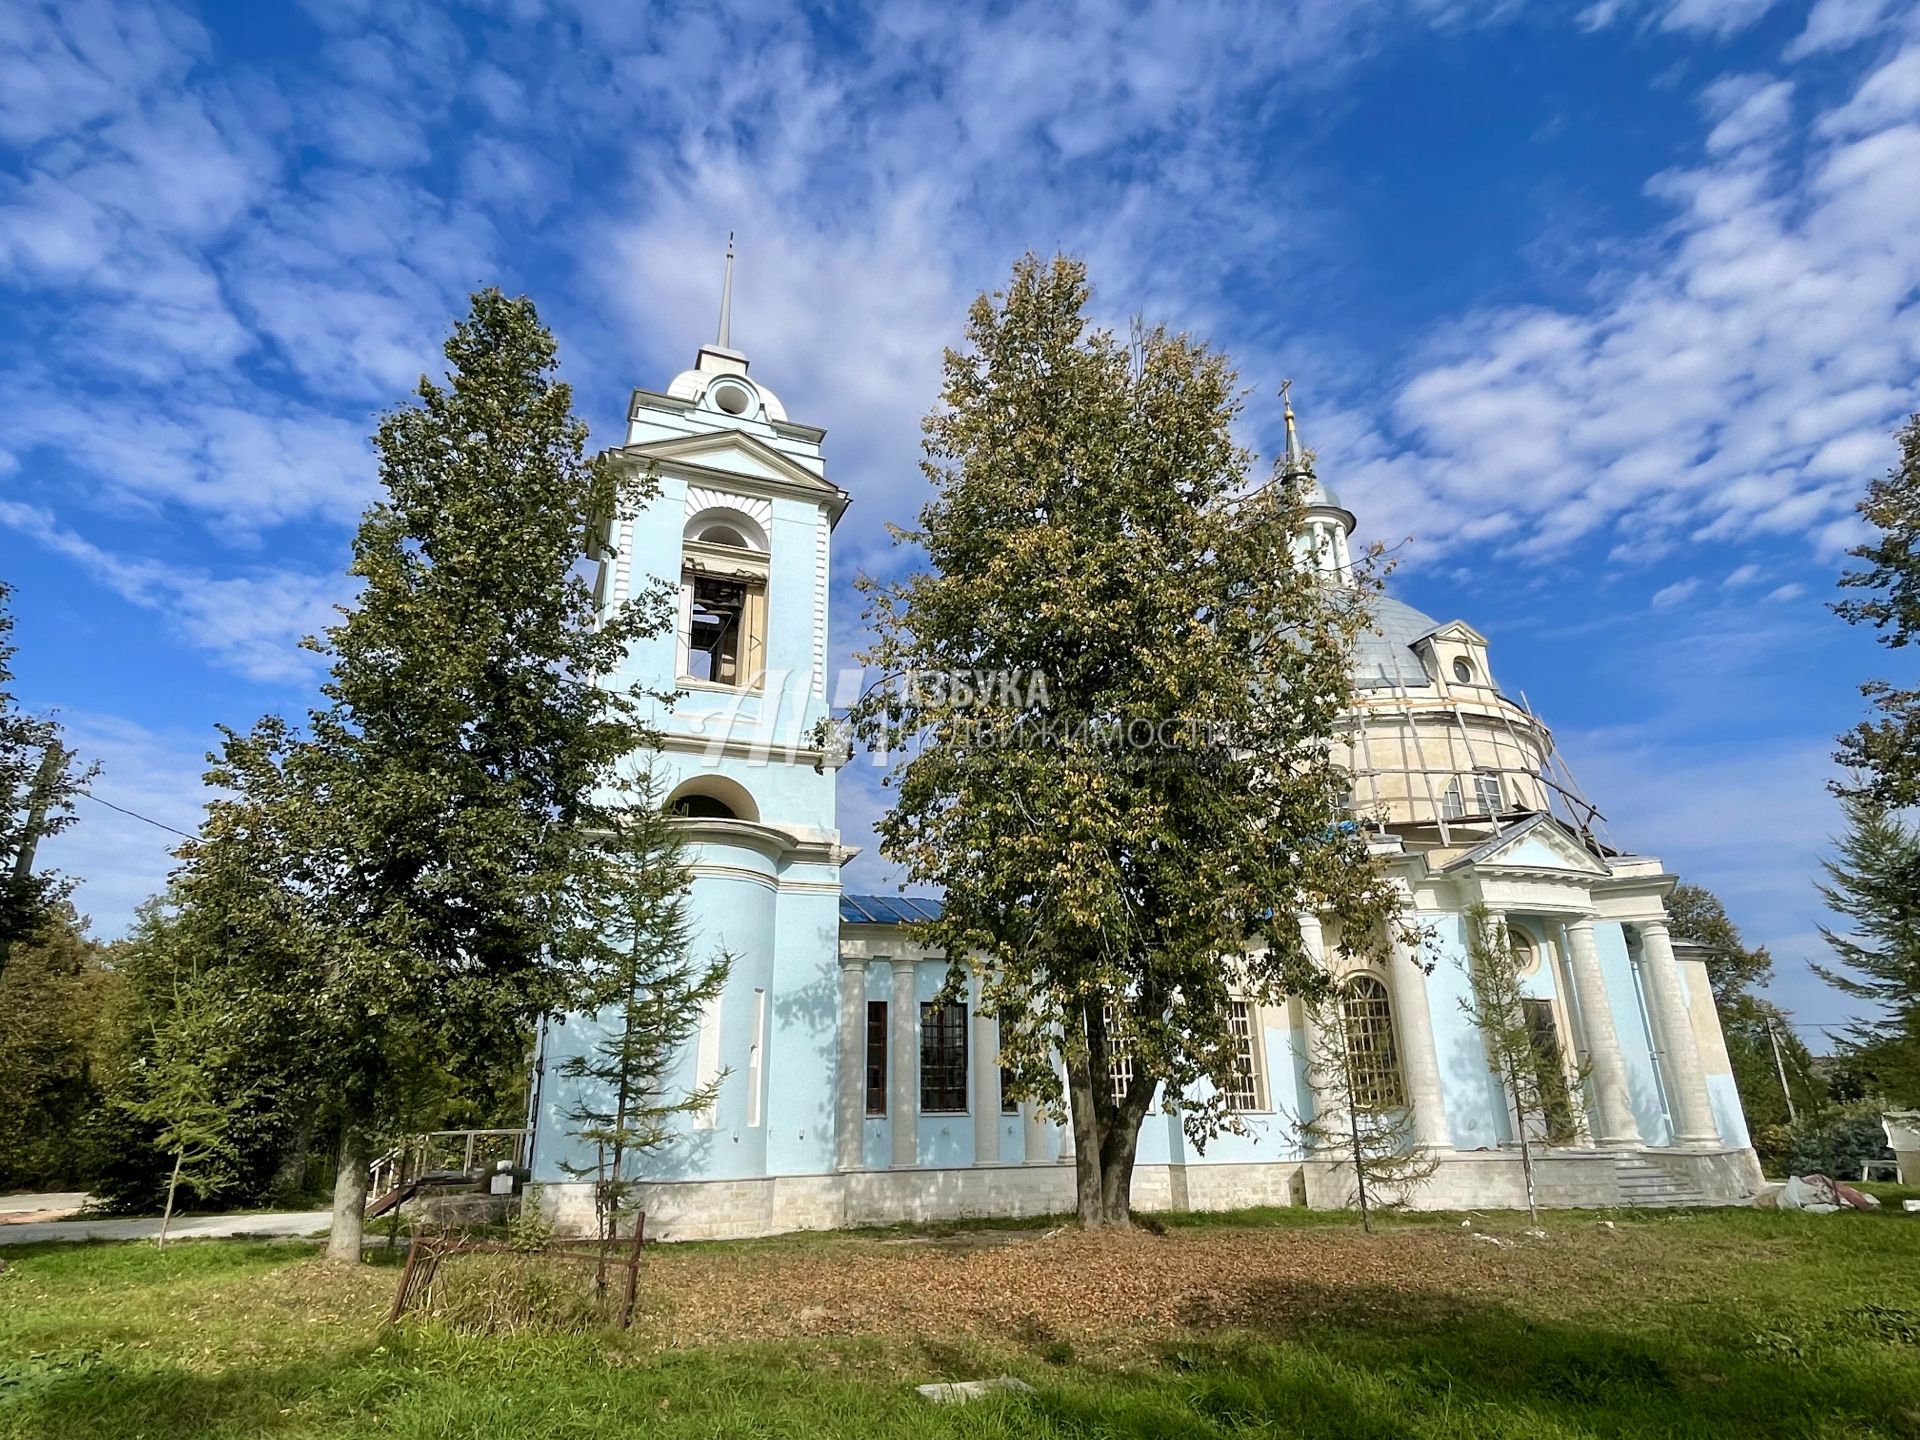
(1329, 1115)
(1419, 1059)
(903, 1067)
(1065, 1127)
(1613, 1119)
(1038, 1133)
(850, 1109)
(986, 1084)
(1693, 1122)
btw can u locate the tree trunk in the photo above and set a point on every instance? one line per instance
(1526, 1148)
(1116, 1168)
(1086, 1146)
(350, 1182)
(173, 1187)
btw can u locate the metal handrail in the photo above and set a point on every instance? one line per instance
(418, 1154)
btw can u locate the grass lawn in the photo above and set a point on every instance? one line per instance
(1708, 1323)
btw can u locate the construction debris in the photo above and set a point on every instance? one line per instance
(959, 1392)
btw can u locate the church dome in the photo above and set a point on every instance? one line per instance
(1383, 656)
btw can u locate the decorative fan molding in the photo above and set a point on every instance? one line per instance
(701, 498)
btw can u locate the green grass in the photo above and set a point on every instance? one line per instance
(1709, 1324)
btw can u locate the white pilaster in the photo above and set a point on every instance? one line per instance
(986, 1084)
(1613, 1119)
(1693, 1122)
(903, 1067)
(1329, 1113)
(1419, 1059)
(850, 1108)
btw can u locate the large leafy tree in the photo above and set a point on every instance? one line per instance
(1874, 884)
(1882, 753)
(38, 781)
(1114, 690)
(396, 893)
(56, 985)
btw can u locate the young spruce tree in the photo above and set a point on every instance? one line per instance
(646, 992)
(1362, 1122)
(1528, 1065)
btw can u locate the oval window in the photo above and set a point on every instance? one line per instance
(1463, 671)
(733, 398)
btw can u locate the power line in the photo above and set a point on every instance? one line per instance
(158, 824)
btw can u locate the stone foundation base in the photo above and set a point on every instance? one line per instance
(1464, 1180)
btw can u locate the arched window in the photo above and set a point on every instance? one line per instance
(713, 797)
(1372, 1056)
(703, 807)
(1526, 956)
(723, 600)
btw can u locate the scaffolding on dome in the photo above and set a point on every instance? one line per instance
(1390, 716)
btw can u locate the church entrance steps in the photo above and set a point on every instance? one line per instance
(1647, 1185)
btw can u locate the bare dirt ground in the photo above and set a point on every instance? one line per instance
(1072, 1286)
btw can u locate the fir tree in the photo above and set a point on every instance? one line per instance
(398, 892)
(1530, 1069)
(1362, 1116)
(1874, 883)
(38, 781)
(645, 992)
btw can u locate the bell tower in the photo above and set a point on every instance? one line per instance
(740, 532)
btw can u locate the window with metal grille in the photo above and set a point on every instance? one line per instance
(1244, 1093)
(1372, 1055)
(943, 1057)
(1486, 795)
(876, 1057)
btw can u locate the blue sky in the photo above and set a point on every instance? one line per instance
(1600, 315)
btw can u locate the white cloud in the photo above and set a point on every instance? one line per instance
(122, 859)
(251, 622)
(1837, 24)
(1748, 109)
(1667, 596)
(1742, 382)
(1716, 19)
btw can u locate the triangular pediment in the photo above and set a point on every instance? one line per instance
(1538, 842)
(733, 452)
(1455, 630)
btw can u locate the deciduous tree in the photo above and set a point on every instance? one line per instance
(1112, 691)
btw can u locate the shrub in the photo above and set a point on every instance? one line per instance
(1836, 1142)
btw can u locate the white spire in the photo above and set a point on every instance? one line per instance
(724, 339)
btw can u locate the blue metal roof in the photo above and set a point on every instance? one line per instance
(888, 909)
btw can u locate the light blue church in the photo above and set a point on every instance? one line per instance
(851, 1098)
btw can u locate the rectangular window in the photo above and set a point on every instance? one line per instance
(755, 1086)
(943, 1057)
(1550, 1071)
(1452, 807)
(1244, 1093)
(1486, 794)
(1008, 1105)
(876, 1057)
(717, 630)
